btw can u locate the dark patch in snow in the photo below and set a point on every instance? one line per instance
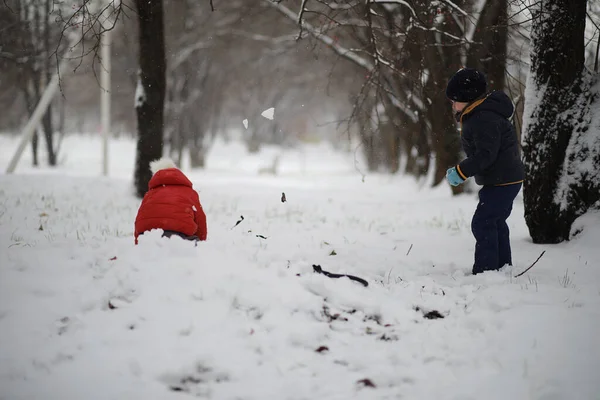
(432, 314)
(387, 338)
(193, 382)
(366, 383)
(64, 325)
(322, 349)
(319, 270)
(332, 317)
(374, 317)
(239, 221)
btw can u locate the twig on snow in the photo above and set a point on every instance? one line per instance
(531, 266)
(237, 223)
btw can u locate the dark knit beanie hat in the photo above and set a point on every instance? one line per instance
(466, 85)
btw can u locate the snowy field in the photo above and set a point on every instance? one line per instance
(85, 314)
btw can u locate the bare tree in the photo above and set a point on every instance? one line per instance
(407, 51)
(30, 39)
(150, 93)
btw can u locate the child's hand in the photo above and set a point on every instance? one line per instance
(453, 178)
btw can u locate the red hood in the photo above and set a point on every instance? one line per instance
(169, 176)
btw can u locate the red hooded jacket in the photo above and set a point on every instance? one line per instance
(171, 204)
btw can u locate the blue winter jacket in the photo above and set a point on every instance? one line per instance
(490, 142)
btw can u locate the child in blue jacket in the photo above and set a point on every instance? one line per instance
(491, 145)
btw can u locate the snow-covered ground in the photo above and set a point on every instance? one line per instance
(85, 314)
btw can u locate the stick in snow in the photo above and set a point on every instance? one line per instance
(409, 249)
(237, 223)
(319, 270)
(531, 266)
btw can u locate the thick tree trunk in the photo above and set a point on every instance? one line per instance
(552, 111)
(150, 95)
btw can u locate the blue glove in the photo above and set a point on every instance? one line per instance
(453, 177)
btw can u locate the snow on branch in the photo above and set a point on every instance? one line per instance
(88, 21)
(401, 2)
(336, 6)
(348, 54)
(301, 13)
(457, 8)
(344, 52)
(416, 24)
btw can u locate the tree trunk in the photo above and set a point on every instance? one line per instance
(61, 128)
(47, 121)
(416, 136)
(446, 138)
(150, 95)
(369, 138)
(553, 111)
(442, 60)
(29, 103)
(391, 145)
(49, 136)
(34, 148)
(492, 32)
(197, 157)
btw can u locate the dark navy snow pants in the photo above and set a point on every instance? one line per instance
(492, 247)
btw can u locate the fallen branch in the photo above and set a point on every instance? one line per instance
(319, 270)
(531, 266)
(239, 221)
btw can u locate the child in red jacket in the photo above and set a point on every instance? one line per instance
(171, 204)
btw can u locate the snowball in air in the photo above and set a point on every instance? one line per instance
(268, 113)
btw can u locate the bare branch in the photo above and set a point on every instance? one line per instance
(336, 6)
(301, 13)
(531, 266)
(344, 52)
(401, 2)
(457, 8)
